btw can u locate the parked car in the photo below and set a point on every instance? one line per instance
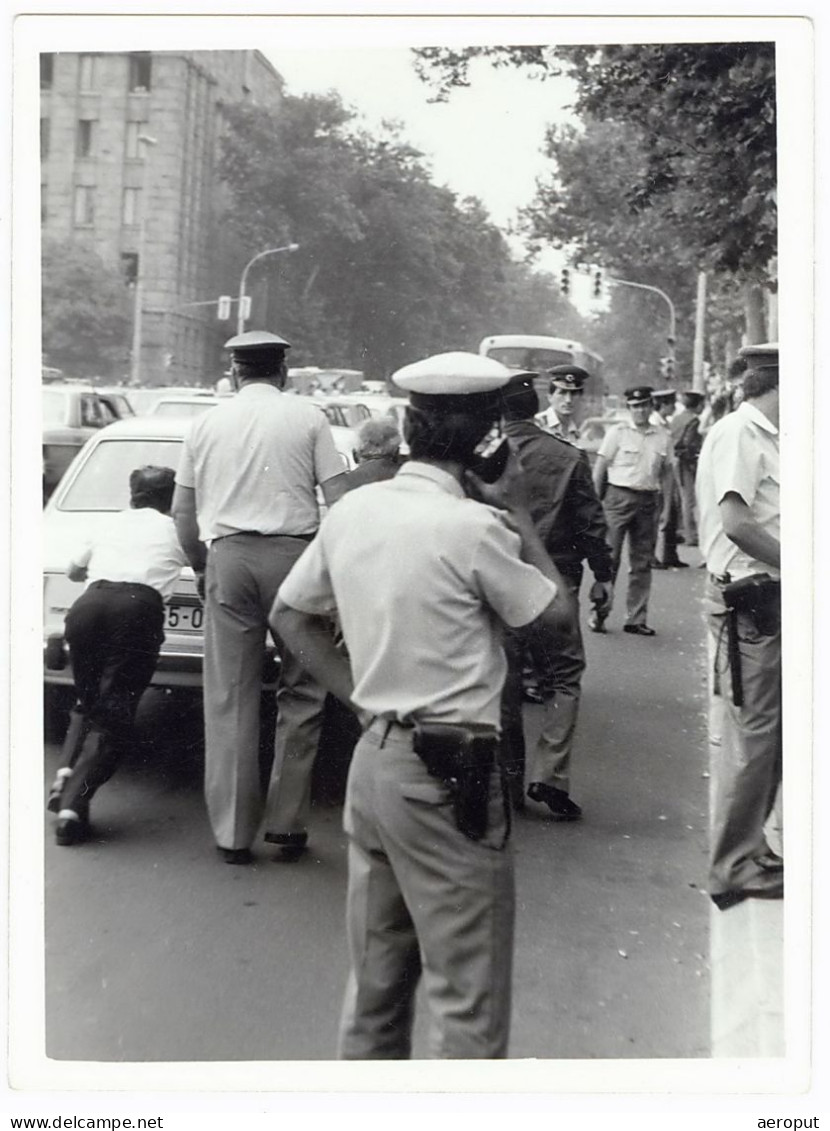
(143, 399)
(182, 407)
(72, 413)
(95, 486)
(117, 400)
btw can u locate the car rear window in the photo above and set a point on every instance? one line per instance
(103, 482)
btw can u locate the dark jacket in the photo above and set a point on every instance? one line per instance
(686, 437)
(563, 501)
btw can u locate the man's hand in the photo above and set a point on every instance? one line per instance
(509, 492)
(600, 595)
(200, 586)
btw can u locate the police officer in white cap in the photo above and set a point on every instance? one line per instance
(420, 575)
(245, 509)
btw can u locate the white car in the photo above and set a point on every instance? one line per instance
(95, 486)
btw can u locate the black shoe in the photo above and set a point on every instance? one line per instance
(678, 565)
(659, 565)
(71, 830)
(559, 803)
(235, 855)
(639, 630)
(596, 623)
(766, 885)
(292, 846)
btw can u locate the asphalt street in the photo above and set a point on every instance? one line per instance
(158, 951)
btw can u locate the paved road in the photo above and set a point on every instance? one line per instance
(157, 951)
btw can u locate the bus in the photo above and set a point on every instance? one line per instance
(537, 353)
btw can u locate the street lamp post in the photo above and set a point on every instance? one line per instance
(672, 336)
(241, 313)
(138, 298)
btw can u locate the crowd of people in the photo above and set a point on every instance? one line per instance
(433, 586)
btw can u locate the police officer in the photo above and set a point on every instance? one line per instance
(567, 383)
(570, 521)
(245, 509)
(687, 441)
(114, 631)
(633, 463)
(430, 886)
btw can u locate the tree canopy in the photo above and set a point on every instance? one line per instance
(391, 266)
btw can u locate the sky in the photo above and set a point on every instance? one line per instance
(486, 141)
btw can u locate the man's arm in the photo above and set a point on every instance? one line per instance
(600, 476)
(187, 527)
(334, 488)
(311, 640)
(740, 527)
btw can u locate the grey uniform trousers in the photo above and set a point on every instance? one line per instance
(244, 572)
(747, 765)
(423, 900)
(632, 513)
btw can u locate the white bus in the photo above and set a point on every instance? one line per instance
(537, 353)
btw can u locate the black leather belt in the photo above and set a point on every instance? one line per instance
(259, 534)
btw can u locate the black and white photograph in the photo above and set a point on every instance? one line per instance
(420, 558)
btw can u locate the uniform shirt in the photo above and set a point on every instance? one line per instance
(563, 430)
(636, 458)
(255, 461)
(740, 454)
(416, 572)
(563, 501)
(140, 546)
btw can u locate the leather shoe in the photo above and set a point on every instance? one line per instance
(292, 846)
(766, 885)
(678, 565)
(557, 800)
(596, 623)
(71, 830)
(659, 565)
(235, 855)
(639, 630)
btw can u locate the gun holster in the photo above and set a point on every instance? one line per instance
(757, 597)
(462, 758)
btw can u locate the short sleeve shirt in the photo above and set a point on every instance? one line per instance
(422, 579)
(739, 455)
(255, 460)
(138, 545)
(636, 457)
(563, 430)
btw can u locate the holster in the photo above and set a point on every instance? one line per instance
(757, 597)
(462, 758)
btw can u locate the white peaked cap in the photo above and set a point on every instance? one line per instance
(456, 373)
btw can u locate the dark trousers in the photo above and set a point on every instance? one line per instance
(114, 632)
(631, 513)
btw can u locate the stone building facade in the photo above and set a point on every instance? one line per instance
(129, 153)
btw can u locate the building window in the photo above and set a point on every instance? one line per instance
(84, 205)
(88, 72)
(132, 147)
(86, 137)
(130, 206)
(47, 67)
(129, 266)
(44, 138)
(140, 72)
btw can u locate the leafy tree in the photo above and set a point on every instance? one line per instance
(86, 320)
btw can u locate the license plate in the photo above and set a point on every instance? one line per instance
(184, 618)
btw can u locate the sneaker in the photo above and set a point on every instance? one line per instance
(557, 800)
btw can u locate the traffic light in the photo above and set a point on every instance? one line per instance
(597, 284)
(245, 307)
(669, 369)
(223, 308)
(565, 281)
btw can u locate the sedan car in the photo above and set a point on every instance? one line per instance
(71, 415)
(96, 486)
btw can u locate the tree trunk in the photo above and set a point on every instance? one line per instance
(754, 303)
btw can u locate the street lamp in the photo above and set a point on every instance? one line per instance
(241, 311)
(138, 298)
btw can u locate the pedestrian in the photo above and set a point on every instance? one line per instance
(633, 464)
(570, 521)
(668, 512)
(114, 631)
(687, 440)
(377, 454)
(245, 509)
(738, 494)
(566, 387)
(421, 577)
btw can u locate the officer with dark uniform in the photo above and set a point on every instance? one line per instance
(633, 463)
(114, 631)
(430, 888)
(571, 523)
(567, 385)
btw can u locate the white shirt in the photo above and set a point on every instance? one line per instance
(421, 578)
(254, 462)
(552, 423)
(636, 456)
(140, 546)
(740, 455)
